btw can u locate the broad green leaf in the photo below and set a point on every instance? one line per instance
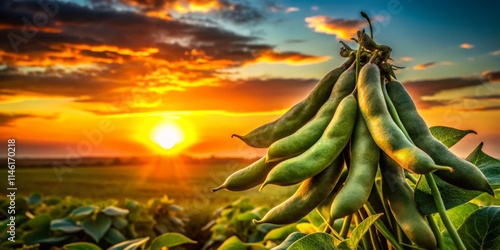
(316, 241)
(289, 241)
(233, 243)
(97, 228)
(360, 230)
(448, 241)
(54, 239)
(34, 199)
(170, 240)
(82, 212)
(119, 222)
(255, 213)
(114, 211)
(280, 233)
(452, 195)
(487, 164)
(81, 246)
(457, 215)
(65, 225)
(482, 229)
(41, 222)
(267, 227)
(35, 236)
(113, 236)
(449, 136)
(130, 244)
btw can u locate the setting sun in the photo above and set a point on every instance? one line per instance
(168, 135)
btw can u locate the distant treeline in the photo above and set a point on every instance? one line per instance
(116, 161)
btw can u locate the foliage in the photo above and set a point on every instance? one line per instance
(55, 222)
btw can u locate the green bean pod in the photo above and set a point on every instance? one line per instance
(324, 207)
(298, 115)
(307, 135)
(362, 172)
(248, 177)
(322, 153)
(308, 196)
(465, 174)
(384, 130)
(402, 204)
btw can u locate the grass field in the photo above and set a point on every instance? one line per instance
(187, 182)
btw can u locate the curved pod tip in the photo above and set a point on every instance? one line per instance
(257, 222)
(237, 136)
(262, 186)
(217, 189)
(444, 168)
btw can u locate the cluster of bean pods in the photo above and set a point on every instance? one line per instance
(338, 138)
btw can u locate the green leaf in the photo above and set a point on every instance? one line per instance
(449, 136)
(81, 246)
(360, 230)
(452, 195)
(281, 233)
(34, 237)
(82, 212)
(41, 222)
(113, 236)
(233, 243)
(114, 211)
(170, 240)
(97, 228)
(289, 241)
(119, 222)
(130, 244)
(65, 225)
(54, 239)
(457, 215)
(316, 241)
(487, 164)
(34, 199)
(255, 213)
(482, 229)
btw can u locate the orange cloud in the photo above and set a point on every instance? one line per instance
(466, 46)
(343, 28)
(406, 59)
(423, 66)
(292, 58)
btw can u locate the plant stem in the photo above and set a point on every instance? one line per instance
(442, 212)
(435, 230)
(334, 233)
(383, 229)
(363, 14)
(346, 226)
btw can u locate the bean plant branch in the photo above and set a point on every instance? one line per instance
(442, 212)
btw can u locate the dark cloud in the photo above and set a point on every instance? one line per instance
(491, 76)
(485, 97)
(250, 95)
(295, 41)
(9, 119)
(422, 92)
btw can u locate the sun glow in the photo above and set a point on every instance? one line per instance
(168, 135)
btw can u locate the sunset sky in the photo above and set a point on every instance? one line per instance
(99, 77)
